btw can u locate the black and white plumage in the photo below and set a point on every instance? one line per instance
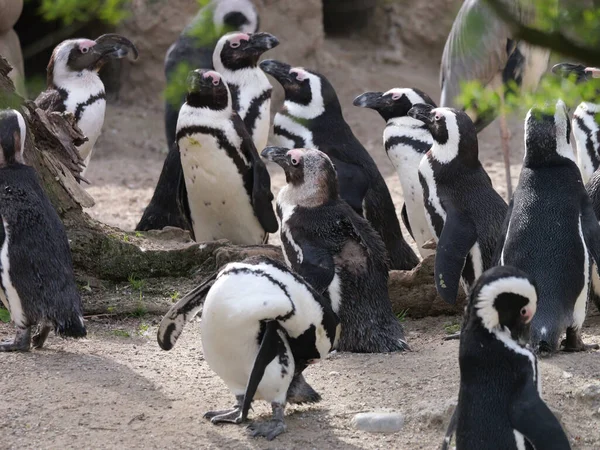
(36, 272)
(551, 230)
(312, 117)
(74, 86)
(406, 140)
(326, 242)
(262, 325)
(227, 186)
(465, 213)
(499, 403)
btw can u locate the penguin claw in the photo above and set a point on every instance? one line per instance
(574, 343)
(21, 342)
(269, 430)
(225, 416)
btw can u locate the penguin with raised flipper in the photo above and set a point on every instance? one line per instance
(227, 186)
(36, 272)
(335, 250)
(464, 211)
(406, 140)
(312, 117)
(499, 402)
(279, 327)
(551, 230)
(74, 85)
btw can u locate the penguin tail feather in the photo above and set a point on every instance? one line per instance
(182, 312)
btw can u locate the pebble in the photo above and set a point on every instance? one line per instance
(567, 375)
(590, 393)
(378, 422)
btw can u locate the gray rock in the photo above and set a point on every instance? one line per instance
(590, 393)
(378, 422)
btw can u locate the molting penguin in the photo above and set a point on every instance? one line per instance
(227, 184)
(499, 403)
(259, 344)
(311, 117)
(464, 211)
(406, 140)
(551, 229)
(326, 242)
(74, 85)
(36, 272)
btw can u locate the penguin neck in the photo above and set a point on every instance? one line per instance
(448, 152)
(191, 116)
(85, 80)
(308, 194)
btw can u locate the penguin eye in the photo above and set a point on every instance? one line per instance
(524, 311)
(234, 44)
(396, 97)
(84, 49)
(215, 82)
(438, 117)
(295, 161)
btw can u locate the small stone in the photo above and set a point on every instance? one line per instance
(378, 422)
(567, 375)
(333, 373)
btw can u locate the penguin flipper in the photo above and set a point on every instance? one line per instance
(531, 417)
(352, 182)
(458, 237)
(590, 228)
(406, 222)
(183, 311)
(266, 353)
(317, 267)
(183, 203)
(502, 237)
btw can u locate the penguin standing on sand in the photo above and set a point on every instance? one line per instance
(74, 85)
(227, 184)
(311, 117)
(36, 272)
(406, 140)
(499, 403)
(551, 230)
(336, 251)
(259, 344)
(464, 211)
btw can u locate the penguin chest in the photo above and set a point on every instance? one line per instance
(8, 294)
(290, 133)
(255, 111)
(434, 212)
(586, 132)
(219, 204)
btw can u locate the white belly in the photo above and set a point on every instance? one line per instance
(9, 295)
(220, 207)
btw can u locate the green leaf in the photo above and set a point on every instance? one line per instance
(4, 315)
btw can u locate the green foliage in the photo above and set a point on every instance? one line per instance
(176, 85)
(143, 329)
(69, 11)
(401, 316)
(121, 333)
(4, 315)
(175, 296)
(140, 310)
(135, 283)
(138, 234)
(452, 328)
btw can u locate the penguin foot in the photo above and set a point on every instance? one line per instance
(271, 429)
(21, 343)
(301, 392)
(227, 416)
(40, 337)
(574, 343)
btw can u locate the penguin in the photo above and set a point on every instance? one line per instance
(406, 140)
(74, 86)
(585, 123)
(36, 272)
(235, 57)
(593, 190)
(336, 251)
(311, 117)
(464, 212)
(500, 402)
(279, 327)
(551, 230)
(228, 186)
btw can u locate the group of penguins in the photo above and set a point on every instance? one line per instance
(528, 267)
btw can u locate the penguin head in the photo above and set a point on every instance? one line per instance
(453, 133)
(394, 103)
(504, 299)
(578, 72)
(12, 137)
(307, 93)
(237, 15)
(207, 89)
(547, 135)
(308, 172)
(237, 51)
(73, 56)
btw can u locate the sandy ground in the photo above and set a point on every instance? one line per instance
(117, 389)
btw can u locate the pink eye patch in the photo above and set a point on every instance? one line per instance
(301, 75)
(236, 39)
(295, 156)
(214, 76)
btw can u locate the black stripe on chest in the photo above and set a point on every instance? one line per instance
(416, 144)
(436, 220)
(90, 101)
(297, 140)
(590, 148)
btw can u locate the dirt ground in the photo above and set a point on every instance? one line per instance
(117, 389)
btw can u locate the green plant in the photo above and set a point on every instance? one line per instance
(175, 296)
(138, 234)
(126, 238)
(121, 333)
(140, 310)
(401, 316)
(4, 315)
(136, 284)
(143, 329)
(452, 328)
(70, 11)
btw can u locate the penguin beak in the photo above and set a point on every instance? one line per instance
(573, 71)
(278, 155)
(108, 46)
(259, 43)
(422, 112)
(278, 70)
(372, 100)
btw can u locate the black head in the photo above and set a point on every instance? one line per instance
(237, 15)
(12, 137)
(452, 130)
(206, 88)
(578, 72)
(393, 103)
(76, 55)
(307, 170)
(504, 298)
(547, 135)
(307, 93)
(236, 51)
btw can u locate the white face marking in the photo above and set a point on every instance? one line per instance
(19, 153)
(224, 7)
(316, 107)
(10, 297)
(561, 120)
(586, 112)
(519, 440)
(446, 152)
(412, 96)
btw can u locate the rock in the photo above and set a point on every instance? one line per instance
(590, 393)
(567, 375)
(378, 422)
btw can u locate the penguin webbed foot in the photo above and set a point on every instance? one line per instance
(574, 342)
(233, 415)
(39, 338)
(21, 342)
(272, 428)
